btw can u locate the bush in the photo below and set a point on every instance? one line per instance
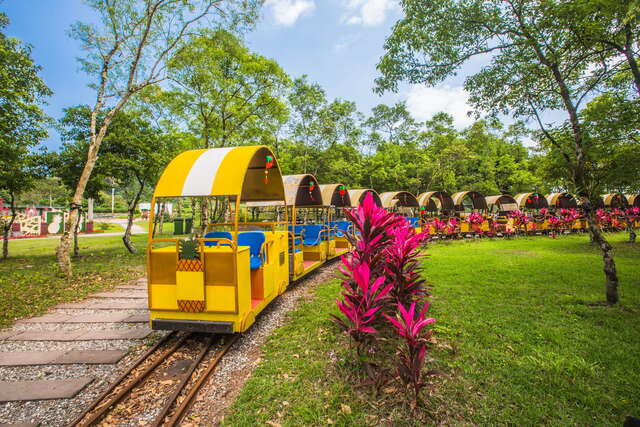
(381, 275)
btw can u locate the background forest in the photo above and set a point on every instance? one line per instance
(218, 93)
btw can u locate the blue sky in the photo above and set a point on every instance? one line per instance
(337, 43)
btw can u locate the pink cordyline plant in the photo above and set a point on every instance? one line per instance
(372, 226)
(520, 219)
(402, 263)
(452, 225)
(569, 216)
(439, 225)
(632, 215)
(411, 357)
(475, 218)
(361, 304)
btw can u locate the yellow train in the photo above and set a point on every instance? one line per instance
(255, 231)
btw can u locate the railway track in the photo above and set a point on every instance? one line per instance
(160, 386)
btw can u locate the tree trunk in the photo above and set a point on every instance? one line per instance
(5, 241)
(7, 229)
(611, 276)
(76, 228)
(632, 232)
(631, 59)
(127, 233)
(126, 238)
(161, 218)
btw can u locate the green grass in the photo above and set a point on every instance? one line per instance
(522, 335)
(167, 228)
(29, 284)
(108, 227)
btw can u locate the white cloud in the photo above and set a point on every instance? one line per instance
(287, 12)
(423, 102)
(346, 42)
(368, 12)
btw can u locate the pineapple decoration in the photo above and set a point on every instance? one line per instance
(190, 278)
(189, 259)
(268, 165)
(342, 191)
(312, 186)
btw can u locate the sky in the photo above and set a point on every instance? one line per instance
(337, 43)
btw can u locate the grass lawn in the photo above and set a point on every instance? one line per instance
(108, 227)
(521, 334)
(29, 284)
(167, 227)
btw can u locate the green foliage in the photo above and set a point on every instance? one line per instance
(22, 122)
(226, 94)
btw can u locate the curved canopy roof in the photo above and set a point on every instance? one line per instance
(357, 196)
(335, 195)
(562, 200)
(634, 200)
(441, 199)
(504, 202)
(390, 199)
(477, 200)
(231, 171)
(615, 200)
(302, 190)
(531, 201)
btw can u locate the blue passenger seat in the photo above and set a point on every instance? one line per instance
(414, 221)
(312, 235)
(342, 226)
(217, 235)
(255, 240)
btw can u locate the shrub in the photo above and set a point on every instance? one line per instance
(381, 277)
(402, 264)
(411, 355)
(361, 304)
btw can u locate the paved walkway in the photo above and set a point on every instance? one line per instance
(69, 353)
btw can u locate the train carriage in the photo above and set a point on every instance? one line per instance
(336, 197)
(403, 203)
(228, 271)
(357, 196)
(533, 203)
(308, 229)
(435, 205)
(467, 202)
(615, 201)
(498, 208)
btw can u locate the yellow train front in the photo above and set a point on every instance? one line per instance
(220, 279)
(250, 233)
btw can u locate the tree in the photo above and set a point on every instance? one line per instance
(392, 124)
(126, 52)
(608, 28)
(134, 155)
(69, 162)
(306, 99)
(22, 123)
(534, 65)
(226, 93)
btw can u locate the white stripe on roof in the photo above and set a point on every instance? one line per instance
(202, 175)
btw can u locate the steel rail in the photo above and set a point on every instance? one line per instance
(185, 380)
(177, 416)
(122, 376)
(101, 406)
